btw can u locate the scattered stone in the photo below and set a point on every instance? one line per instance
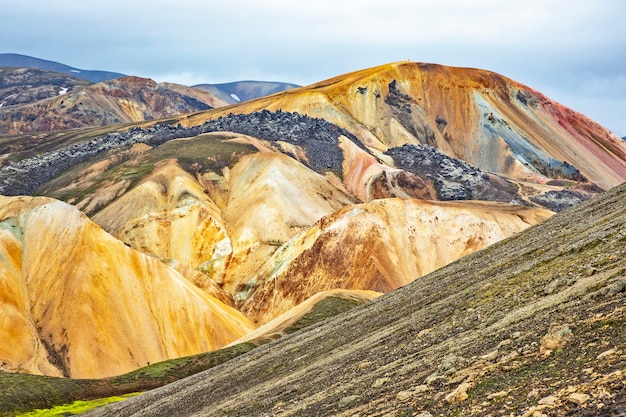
(606, 353)
(278, 405)
(421, 388)
(578, 398)
(509, 357)
(498, 394)
(549, 400)
(424, 414)
(405, 395)
(616, 288)
(505, 342)
(534, 393)
(380, 382)
(346, 401)
(435, 380)
(557, 337)
(491, 356)
(449, 362)
(459, 394)
(590, 271)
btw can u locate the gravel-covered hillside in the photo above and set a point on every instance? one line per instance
(531, 326)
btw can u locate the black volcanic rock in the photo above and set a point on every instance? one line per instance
(454, 179)
(559, 200)
(317, 137)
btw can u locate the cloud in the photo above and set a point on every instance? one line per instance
(573, 47)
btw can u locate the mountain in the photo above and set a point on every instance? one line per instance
(123, 100)
(532, 325)
(354, 184)
(477, 116)
(236, 92)
(102, 308)
(19, 86)
(24, 61)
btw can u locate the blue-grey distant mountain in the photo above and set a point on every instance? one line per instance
(239, 91)
(24, 61)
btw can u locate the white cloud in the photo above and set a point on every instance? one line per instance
(553, 43)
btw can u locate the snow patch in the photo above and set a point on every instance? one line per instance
(63, 91)
(235, 96)
(74, 71)
(2, 104)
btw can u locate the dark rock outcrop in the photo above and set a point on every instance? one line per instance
(559, 200)
(317, 137)
(453, 178)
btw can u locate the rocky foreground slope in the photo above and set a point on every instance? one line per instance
(533, 325)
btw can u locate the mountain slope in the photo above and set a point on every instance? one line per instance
(534, 323)
(480, 117)
(378, 246)
(79, 303)
(19, 86)
(24, 61)
(123, 100)
(242, 208)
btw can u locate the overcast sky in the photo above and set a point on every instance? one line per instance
(574, 51)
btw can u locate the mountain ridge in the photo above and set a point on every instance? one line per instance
(24, 61)
(451, 108)
(238, 91)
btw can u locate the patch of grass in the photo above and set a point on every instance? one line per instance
(201, 154)
(21, 393)
(75, 408)
(325, 309)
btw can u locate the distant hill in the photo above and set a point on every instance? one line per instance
(24, 61)
(239, 91)
(19, 86)
(33, 100)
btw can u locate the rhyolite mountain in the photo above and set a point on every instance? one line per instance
(38, 95)
(33, 105)
(20, 86)
(367, 181)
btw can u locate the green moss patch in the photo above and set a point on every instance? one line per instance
(75, 408)
(325, 309)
